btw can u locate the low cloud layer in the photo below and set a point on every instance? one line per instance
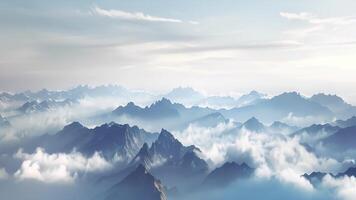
(275, 155)
(344, 187)
(59, 167)
(54, 119)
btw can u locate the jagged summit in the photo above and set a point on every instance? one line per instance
(349, 172)
(253, 124)
(167, 151)
(164, 134)
(138, 185)
(163, 101)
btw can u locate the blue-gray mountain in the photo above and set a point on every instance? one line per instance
(35, 106)
(336, 104)
(112, 140)
(279, 107)
(315, 178)
(345, 123)
(167, 159)
(227, 174)
(343, 140)
(280, 127)
(162, 109)
(316, 132)
(138, 185)
(168, 152)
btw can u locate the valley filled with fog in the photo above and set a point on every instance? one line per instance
(109, 142)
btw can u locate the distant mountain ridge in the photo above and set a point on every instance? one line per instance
(35, 106)
(162, 109)
(345, 123)
(336, 104)
(278, 108)
(315, 178)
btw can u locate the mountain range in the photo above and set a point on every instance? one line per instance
(186, 142)
(336, 104)
(169, 160)
(112, 140)
(316, 178)
(280, 107)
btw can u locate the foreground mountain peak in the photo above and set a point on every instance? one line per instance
(138, 185)
(165, 134)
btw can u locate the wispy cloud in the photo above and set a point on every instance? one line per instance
(313, 19)
(135, 16)
(243, 46)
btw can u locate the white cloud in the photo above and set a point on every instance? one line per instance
(57, 167)
(54, 119)
(313, 19)
(3, 174)
(344, 186)
(297, 16)
(272, 155)
(304, 121)
(137, 16)
(207, 139)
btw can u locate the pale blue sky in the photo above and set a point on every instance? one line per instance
(221, 47)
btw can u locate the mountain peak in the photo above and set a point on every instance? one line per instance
(73, 125)
(227, 173)
(349, 172)
(144, 151)
(287, 95)
(255, 93)
(138, 185)
(165, 135)
(253, 124)
(234, 165)
(163, 102)
(252, 120)
(130, 104)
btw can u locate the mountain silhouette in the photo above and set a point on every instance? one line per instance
(227, 174)
(138, 185)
